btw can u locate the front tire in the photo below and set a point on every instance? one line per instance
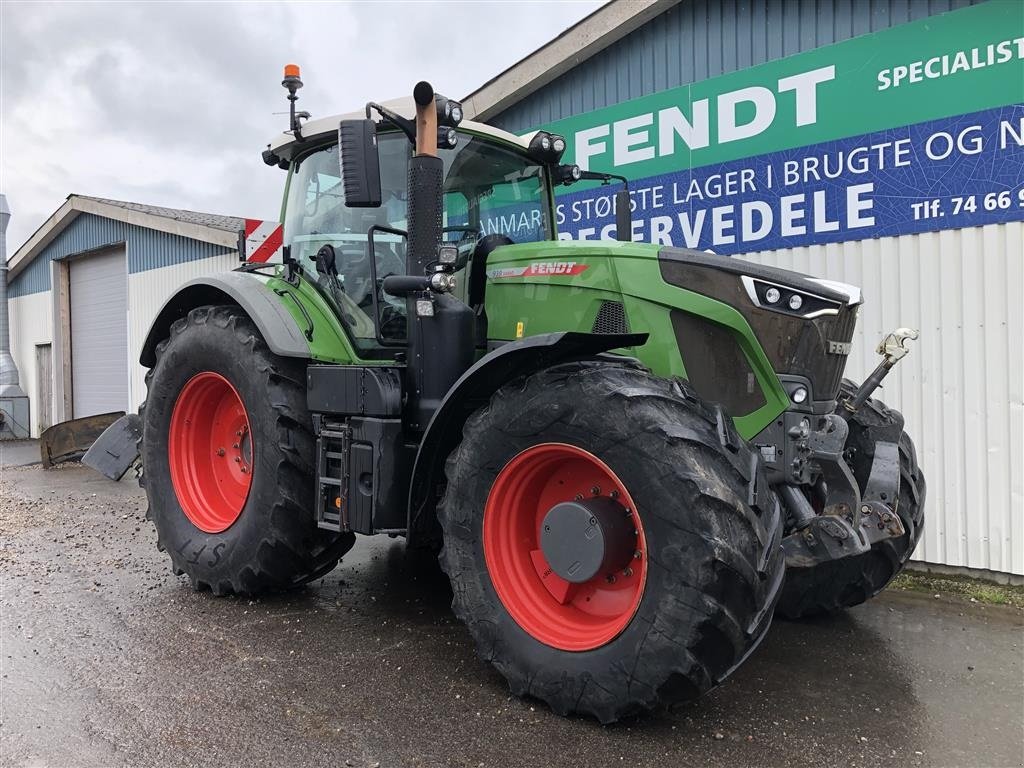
(228, 456)
(683, 613)
(835, 585)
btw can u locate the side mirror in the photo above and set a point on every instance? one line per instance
(623, 217)
(360, 163)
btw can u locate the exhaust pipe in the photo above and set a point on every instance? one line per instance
(440, 327)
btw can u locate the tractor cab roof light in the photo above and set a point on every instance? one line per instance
(449, 111)
(547, 147)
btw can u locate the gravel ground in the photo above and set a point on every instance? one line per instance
(107, 659)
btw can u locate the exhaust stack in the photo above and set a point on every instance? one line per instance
(14, 409)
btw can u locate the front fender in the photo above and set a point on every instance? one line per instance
(475, 387)
(277, 326)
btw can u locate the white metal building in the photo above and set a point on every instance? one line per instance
(84, 290)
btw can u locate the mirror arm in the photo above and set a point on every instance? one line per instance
(406, 126)
(603, 177)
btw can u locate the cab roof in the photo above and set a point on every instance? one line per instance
(284, 146)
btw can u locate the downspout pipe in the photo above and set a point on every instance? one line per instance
(10, 381)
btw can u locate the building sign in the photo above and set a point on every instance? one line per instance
(916, 128)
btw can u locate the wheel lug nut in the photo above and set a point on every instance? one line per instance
(221, 451)
(579, 497)
(614, 494)
(628, 572)
(235, 445)
(238, 459)
(593, 521)
(596, 490)
(611, 578)
(637, 555)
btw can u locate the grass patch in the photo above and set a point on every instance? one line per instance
(960, 586)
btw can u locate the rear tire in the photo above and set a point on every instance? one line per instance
(265, 538)
(835, 585)
(713, 562)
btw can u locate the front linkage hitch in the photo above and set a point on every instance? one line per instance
(847, 521)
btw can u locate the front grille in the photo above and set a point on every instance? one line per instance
(611, 318)
(838, 328)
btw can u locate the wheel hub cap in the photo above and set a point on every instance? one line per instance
(581, 539)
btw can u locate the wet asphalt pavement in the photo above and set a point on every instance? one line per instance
(107, 659)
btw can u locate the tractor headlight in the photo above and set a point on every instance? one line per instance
(449, 111)
(799, 395)
(788, 299)
(447, 138)
(547, 147)
(568, 174)
(447, 253)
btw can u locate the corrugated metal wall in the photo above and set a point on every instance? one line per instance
(700, 39)
(32, 279)
(147, 248)
(961, 389)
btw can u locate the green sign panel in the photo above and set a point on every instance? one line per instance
(957, 63)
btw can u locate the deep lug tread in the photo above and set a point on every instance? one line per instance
(711, 582)
(291, 550)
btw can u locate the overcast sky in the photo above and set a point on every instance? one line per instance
(171, 103)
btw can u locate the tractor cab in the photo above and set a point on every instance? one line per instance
(494, 194)
(497, 190)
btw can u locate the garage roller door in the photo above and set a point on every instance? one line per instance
(99, 333)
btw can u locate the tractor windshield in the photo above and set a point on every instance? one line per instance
(488, 190)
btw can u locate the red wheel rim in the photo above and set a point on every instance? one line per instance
(571, 617)
(210, 452)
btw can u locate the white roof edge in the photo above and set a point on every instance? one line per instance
(76, 204)
(608, 24)
(317, 129)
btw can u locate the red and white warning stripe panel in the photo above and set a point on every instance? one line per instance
(263, 240)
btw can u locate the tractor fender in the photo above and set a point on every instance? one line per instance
(248, 291)
(475, 387)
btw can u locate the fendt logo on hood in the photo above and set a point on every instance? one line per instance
(538, 268)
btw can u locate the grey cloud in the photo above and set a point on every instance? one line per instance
(171, 103)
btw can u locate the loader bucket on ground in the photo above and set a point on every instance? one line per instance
(69, 440)
(117, 449)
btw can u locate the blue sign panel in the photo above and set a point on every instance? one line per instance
(962, 171)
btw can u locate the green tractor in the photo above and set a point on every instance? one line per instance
(627, 456)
